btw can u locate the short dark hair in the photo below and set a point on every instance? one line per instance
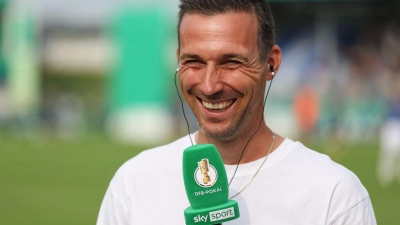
(262, 10)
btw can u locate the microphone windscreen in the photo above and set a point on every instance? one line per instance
(206, 185)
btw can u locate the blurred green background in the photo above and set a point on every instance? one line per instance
(47, 181)
(87, 85)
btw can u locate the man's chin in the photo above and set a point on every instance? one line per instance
(218, 134)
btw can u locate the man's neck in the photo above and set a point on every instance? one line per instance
(232, 149)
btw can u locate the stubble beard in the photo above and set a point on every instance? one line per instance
(235, 129)
(224, 134)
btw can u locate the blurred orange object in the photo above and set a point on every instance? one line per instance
(306, 107)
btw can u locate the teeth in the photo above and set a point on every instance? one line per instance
(221, 105)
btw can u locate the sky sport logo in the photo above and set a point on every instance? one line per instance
(222, 214)
(216, 215)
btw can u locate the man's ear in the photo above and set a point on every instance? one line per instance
(274, 60)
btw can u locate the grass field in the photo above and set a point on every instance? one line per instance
(49, 181)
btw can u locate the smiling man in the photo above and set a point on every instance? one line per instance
(226, 57)
(223, 80)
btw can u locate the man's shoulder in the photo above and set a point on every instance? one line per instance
(319, 165)
(322, 183)
(312, 159)
(320, 169)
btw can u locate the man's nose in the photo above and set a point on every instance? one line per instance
(211, 80)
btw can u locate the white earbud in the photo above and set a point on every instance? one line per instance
(271, 68)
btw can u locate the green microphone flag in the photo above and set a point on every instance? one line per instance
(206, 186)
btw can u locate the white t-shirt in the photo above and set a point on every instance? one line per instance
(296, 185)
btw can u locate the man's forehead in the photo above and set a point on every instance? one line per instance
(218, 37)
(217, 26)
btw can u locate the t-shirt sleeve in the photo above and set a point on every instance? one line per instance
(350, 203)
(116, 203)
(111, 211)
(361, 213)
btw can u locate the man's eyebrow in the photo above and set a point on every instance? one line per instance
(235, 56)
(223, 57)
(189, 56)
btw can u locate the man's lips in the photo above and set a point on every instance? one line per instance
(223, 105)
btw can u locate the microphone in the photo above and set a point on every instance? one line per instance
(206, 185)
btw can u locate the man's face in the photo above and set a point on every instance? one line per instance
(221, 76)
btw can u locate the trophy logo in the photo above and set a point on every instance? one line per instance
(205, 175)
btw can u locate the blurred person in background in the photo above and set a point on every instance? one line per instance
(389, 157)
(226, 55)
(388, 166)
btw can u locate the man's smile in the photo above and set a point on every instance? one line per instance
(219, 106)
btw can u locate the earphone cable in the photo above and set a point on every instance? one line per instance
(183, 109)
(259, 125)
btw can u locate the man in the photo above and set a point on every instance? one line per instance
(226, 56)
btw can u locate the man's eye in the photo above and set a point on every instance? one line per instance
(192, 63)
(231, 64)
